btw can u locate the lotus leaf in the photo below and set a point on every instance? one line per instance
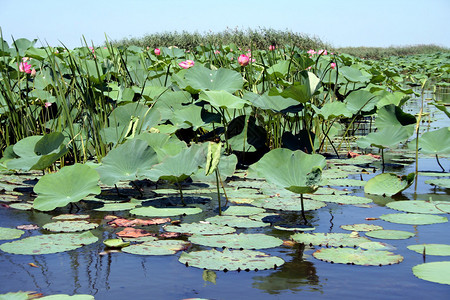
(289, 204)
(438, 271)
(10, 233)
(237, 241)
(150, 211)
(361, 227)
(434, 174)
(128, 161)
(120, 206)
(69, 226)
(388, 184)
(333, 110)
(445, 183)
(16, 296)
(421, 206)
(21, 206)
(343, 199)
(50, 243)
(201, 78)
(330, 191)
(233, 221)
(433, 142)
(294, 170)
(358, 256)
(329, 239)
(158, 247)
(115, 243)
(163, 144)
(386, 234)
(413, 219)
(69, 184)
(385, 138)
(200, 228)
(223, 99)
(360, 101)
(431, 249)
(230, 260)
(390, 116)
(70, 217)
(377, 246)
(273, 103)
(242, 211)
(171, 169)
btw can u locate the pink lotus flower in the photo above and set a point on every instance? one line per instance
(25, 67)
(271, 47)
(92, 49)
(333, 65)
(217, 52)
(311, 51)
(186, 64)
(243, 60)
(157, 51)
(33, 72)
(322, 52)
(48, 104)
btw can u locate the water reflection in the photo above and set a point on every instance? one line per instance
(294, 275)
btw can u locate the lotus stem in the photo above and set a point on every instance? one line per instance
(218, 191)
(382, 158)
(303, 210)
(439, 163)
(181, 193)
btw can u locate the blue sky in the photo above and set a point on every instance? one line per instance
(341, 23)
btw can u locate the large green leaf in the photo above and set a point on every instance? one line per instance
(388, 184)
(179, 167)
(223, 99)
(433, 142)
(438, 271)
(332, 110)
(230, 260)
(386, 138)
(129, 161)
(201, 78)
(50, 243)
(357, 256)
(294, 170)
(361, 101)
(329, 239)
(390, 116)
(70, 184)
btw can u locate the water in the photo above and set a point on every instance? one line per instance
(122, 275)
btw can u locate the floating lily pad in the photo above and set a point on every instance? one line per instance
(70, 217)
(361, 227)
(49, 243)
(343, 199)
(431, 249)
(330, 191)
(158, 247)
(115, 243)
(358, 256)
(233, 221)
(295, 228)
(10, 233)
(150, 211)
(329, 239)
(334, 174)
(119, 206)
(290, 204)
(421, 206)
(434, 174)
(69, 226)
(16, 296)
(243, 211)
(438, 271)
(237, 241)
(21, 206)
(386, 234)
(445, 183)
(413, 219)
(377, 246)
(388, 184)
(230, 260)
(200, 228)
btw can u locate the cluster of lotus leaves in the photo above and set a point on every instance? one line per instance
(49, 243)
(230, 260)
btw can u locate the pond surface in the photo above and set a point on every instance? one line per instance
(123, 275)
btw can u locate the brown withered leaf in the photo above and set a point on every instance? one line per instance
(130, 232)
(122, 222)
(28, 227)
